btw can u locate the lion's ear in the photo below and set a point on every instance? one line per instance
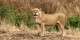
(40, 8)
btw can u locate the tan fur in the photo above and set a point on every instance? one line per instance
(49, 19)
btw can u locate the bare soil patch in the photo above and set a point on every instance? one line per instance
(20, 35)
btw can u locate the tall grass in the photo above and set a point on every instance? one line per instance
(3, 11)
(18, 11)
(16, 18)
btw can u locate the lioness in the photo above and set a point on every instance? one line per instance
(48, 19)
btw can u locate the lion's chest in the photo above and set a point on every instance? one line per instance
(38, 20)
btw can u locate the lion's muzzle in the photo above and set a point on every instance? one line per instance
(35, 15)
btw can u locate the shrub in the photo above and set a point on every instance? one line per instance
(18, 18)
(11, 15)
(3, 11)
(74, 21)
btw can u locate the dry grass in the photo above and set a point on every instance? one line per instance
(8, 27)
(11, 28)
(69, 7)
(10, 32)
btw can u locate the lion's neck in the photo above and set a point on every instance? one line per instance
(42, 15)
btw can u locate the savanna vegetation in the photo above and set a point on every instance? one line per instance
(17, 12)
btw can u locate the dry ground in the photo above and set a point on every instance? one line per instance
(19, 35)
(10, 32)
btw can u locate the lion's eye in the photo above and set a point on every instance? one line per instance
(36, 10)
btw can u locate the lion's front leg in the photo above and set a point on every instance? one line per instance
(38, 28)
(42, 29)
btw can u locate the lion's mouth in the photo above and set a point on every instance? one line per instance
(35, 15)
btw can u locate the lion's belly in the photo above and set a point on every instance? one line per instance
(50, 22)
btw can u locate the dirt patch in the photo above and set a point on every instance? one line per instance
(27, 36)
